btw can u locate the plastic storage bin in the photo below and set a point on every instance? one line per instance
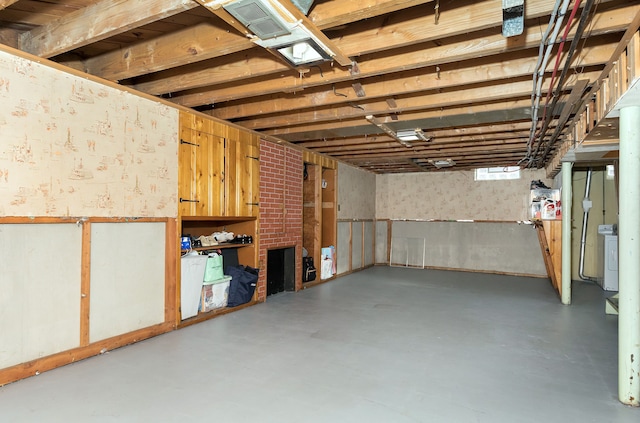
(215, 294)
(192, 267)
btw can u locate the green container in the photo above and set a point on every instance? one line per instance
(213, 270)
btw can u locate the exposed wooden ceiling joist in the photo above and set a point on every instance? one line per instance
(458, 80)
(97, 22)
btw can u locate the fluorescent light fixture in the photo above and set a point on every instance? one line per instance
(412, 135)
(302, 52)
(442, 163)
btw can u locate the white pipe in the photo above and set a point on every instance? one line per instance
(586, 205)
(629, 258)
(567, 194)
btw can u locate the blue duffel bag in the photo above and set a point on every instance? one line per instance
(242, 285)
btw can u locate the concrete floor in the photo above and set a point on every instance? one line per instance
(381, 345)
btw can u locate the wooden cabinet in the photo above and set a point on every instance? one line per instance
(219, 169)
(218, 186)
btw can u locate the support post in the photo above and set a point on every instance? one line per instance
(629, 258)
(567, 194)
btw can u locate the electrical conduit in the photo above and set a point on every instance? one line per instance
(586, 206)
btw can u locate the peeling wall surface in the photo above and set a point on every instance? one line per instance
(453, 196)
(75, 147)
(356, 193)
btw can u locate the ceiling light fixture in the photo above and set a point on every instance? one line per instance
(281, 28)
(303, 52)
(404, 137)
(412, 135)
(442, 163)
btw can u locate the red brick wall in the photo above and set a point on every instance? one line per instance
(280, 206)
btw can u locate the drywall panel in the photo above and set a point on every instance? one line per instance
(344, 252)
(39, 290)
(407, 251)
(382, 227)
(453, 196)
(495, 247)
(127, 277)
(75, 147)
(369, 234)
(356, 245)
(356, 193)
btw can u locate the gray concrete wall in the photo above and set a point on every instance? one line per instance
(501, 247)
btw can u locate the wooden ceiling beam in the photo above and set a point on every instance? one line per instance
(515, 153)
(421, 28)
(476, 71)
(500, 91)
(373, 142)
(424, 147)
(202, 42)
(463, 49)
(97, 22)
(478, 132)
(442, 114)
(458, 153)
(6, 3)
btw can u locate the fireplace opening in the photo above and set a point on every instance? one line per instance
(281, 270)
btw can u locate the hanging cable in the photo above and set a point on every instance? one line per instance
(555, 22)
(586, 12)
(535, 133)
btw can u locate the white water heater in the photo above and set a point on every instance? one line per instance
(607, 257)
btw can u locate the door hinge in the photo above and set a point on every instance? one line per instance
(252, 204)
(186, 200)
(252, 157)
(187, 142)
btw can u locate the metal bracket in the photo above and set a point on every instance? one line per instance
(254, 158)
(186, 200)
(187, 142)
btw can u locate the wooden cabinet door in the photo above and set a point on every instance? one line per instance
(210, 175)
(187, 163)
(201, 173)
(242, 173)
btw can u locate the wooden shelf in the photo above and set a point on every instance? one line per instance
(228, 219)
(217, 247)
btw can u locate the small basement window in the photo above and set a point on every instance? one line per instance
(497, 173)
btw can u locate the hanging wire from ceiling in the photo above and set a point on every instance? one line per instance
(547, 118)
(546, 46)
(537, 135)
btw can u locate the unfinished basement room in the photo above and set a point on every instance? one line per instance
(320, 211)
